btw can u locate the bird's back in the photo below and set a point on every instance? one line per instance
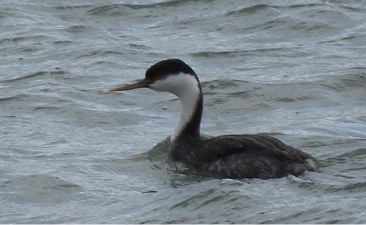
(246, 156)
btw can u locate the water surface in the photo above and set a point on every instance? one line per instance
(73, 153)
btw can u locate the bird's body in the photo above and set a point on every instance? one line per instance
(226, 156)
(243, 156)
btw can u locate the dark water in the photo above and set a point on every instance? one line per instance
(73, 153)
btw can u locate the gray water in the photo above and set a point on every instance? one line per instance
(73, 153)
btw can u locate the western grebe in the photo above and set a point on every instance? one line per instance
(226, 156)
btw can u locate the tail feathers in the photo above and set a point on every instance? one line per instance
(299, 168)
(312, 165)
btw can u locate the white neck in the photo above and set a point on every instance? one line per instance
(186, 87)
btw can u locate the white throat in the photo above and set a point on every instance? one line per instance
(186, 88)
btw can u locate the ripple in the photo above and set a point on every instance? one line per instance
(71, 153)
(109, 10)
(251, 9)
(349, 82)
(38, 188)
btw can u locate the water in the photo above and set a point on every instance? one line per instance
(73, 153)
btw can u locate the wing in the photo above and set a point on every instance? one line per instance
(239, 156)
(261, 145)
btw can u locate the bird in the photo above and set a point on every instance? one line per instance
(233, 156)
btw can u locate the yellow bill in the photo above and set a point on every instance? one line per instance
(139, 84)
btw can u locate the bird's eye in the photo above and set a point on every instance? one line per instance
(155, 78)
